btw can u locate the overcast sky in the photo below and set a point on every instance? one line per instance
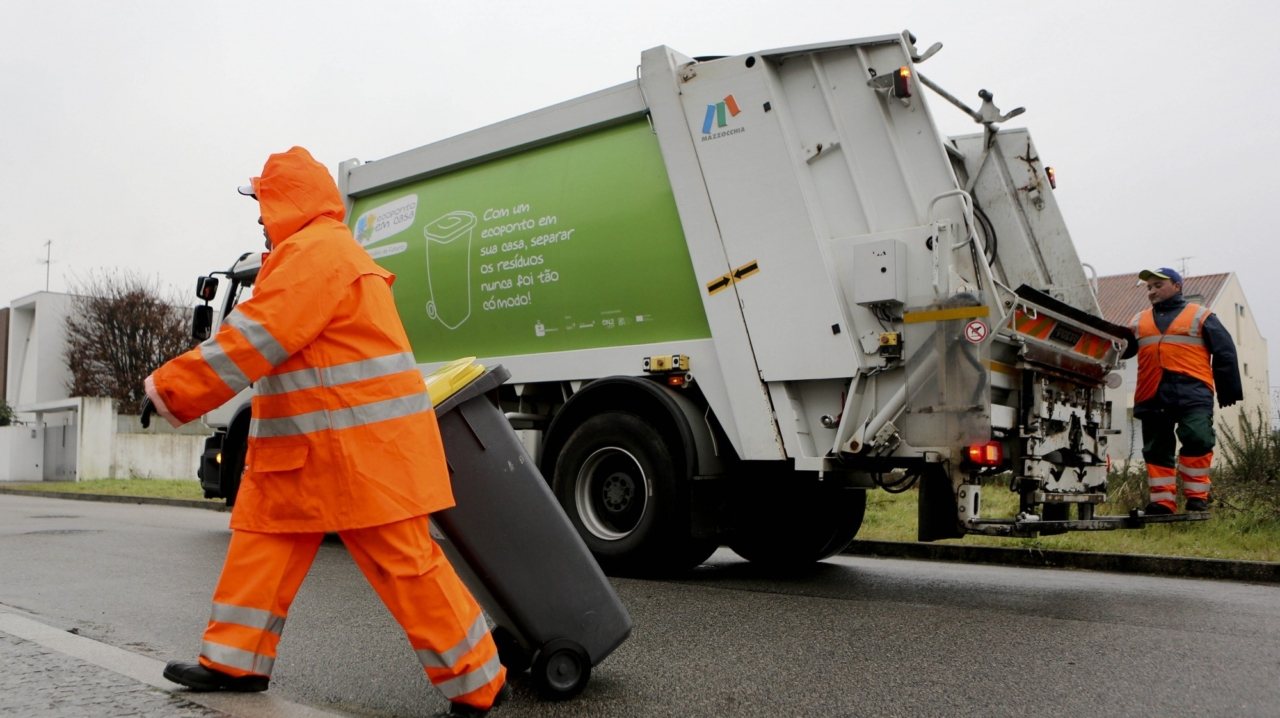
(126, 124)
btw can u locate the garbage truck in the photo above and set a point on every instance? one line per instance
(736, 293)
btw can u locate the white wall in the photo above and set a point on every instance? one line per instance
(21, 453)
(98, 444)
(156, 456)
(37, 371)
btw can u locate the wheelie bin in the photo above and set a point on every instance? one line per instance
(554, 611)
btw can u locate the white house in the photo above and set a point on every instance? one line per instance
(1121, 296)
(63, 438)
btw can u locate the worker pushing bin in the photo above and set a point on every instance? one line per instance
(512, 544)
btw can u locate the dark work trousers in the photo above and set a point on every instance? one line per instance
(1177, 446)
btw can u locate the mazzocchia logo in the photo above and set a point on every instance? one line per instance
(716, 117)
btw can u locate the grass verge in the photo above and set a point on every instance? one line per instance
(1233, 535)
(152, 488)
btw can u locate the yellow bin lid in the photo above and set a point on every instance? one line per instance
(450, 378)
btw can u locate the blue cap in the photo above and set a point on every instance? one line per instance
(1161, 273)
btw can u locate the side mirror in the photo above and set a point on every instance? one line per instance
(207, 288)
(202, 321)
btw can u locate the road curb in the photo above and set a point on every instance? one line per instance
(1219, 569)
(1181, 567)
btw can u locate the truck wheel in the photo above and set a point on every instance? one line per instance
(796, 528)
(232, 469)
(620, 486)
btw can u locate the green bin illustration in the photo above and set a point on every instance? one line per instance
(449, 267)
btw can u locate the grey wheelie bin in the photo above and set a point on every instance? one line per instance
(513, 546)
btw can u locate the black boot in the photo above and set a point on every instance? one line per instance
(198, 678)
(1197, 505)
(1155, 509)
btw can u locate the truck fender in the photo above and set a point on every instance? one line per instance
(676, 415)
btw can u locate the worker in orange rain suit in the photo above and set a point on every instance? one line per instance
(343, 439)
(1185, 357)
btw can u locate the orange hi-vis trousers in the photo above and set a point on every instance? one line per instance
(407, 569)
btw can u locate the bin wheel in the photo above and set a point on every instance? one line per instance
(510, 652)
(561, 670)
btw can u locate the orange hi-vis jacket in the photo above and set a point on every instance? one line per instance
(343, 435)
(1179, 349)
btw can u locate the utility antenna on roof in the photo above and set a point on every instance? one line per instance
(1182, 265)
(47, 261)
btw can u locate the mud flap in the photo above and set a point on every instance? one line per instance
(936, 507)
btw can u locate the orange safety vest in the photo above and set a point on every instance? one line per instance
(343, 435)
(1179, 349)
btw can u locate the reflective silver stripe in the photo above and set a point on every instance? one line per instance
(259, 338)
(1196, 486)
(1147, 341)
(368, 369)
(350, 417)
(1163, 496)
(250, 617)
(475, 680)
(289, 381)
(475, 634)
(1188, 471)
(223, 365)
(1198, 320)
(1182, 339)
(238, 658)
(337, 375)
(1161, 481)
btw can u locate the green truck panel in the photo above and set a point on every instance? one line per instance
(570, 246)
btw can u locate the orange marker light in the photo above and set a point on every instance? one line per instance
(1053, 177)
(902, 82)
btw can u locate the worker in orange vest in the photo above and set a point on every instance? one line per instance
(343, 439)
(1185, 356)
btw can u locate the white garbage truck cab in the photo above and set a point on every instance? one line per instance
(736, 293)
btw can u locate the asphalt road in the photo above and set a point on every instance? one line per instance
(854, 636)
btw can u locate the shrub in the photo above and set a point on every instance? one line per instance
(6, 413)
(1248, 475)
(1127, 486)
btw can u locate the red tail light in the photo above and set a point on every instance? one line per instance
(988, 454)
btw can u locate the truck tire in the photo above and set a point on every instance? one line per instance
(622, 489)
(799, 527)
(232, 468)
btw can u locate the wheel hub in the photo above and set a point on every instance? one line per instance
(611, 493)
(617, 491)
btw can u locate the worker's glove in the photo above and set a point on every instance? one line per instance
(148, 409)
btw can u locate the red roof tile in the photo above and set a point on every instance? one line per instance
(1121, 295)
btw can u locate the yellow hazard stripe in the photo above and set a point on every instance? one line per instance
(1003, 368)
(943, 315)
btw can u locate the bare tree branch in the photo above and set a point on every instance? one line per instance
(120, 329)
